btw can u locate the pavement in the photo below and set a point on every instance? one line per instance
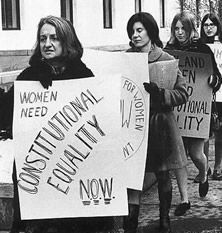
(205, 215)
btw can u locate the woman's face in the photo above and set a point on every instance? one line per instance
(140, 38)
(210, 28)
(180, 32)
(50, 46)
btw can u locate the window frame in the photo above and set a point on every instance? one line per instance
(63, 7)
(107, 14)
(162, 14)
(8, 19)
(138, 6)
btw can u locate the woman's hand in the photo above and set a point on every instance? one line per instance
(152, 88)
(156, 93)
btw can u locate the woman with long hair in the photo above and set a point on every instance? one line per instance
(57, 56)
(184, 36)
(211, 33)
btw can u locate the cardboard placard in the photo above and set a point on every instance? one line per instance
(217, 50)
(134, 107)
(66, 148)
(193, 117)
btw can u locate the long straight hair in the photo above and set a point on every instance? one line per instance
(188, 21)
(216, 21)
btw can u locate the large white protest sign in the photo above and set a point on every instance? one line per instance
(66, 148)
(217, 50)
(133, 107)
(193, 117)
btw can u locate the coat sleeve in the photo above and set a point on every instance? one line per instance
(216, 73)
(7, 106)
(6, 109)
(178, 95)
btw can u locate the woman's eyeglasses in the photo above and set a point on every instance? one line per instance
(209, 25)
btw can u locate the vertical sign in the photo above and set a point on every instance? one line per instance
(134, 107)
(193, 117)
(217, 50)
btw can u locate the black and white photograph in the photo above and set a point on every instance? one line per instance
(110, 116)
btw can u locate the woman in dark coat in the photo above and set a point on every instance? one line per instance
(57, 56)
(184, 37)
(165, 146)
(211, 33)
(191, 43)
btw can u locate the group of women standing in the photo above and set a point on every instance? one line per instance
(170, 153)
(58, 56)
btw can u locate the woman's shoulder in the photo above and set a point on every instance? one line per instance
(169, 46)
(130, 50)
(158, 54)
(199, 46)
(166, 56)
(79, 69)
(27, 74)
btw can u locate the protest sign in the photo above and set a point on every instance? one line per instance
(217, 50)
(66, 141)
(133, 107)
(193, 117)
(164, 73)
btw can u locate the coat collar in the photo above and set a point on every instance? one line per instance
(154, 54)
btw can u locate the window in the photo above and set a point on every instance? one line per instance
(10, 15)
(138, 6)
(162, 13)
(107, 13)
(67, 10)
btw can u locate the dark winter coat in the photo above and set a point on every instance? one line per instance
(165, 146)
(45, 73)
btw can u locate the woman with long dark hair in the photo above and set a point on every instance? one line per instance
(184, 36)
(211, 33)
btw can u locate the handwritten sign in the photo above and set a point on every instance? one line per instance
(164, 73)
(134, 107)
(217, 50)
(193, 117)
(66, 148)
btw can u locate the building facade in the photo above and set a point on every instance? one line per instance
(97, 22)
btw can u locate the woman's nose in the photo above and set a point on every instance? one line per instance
(135, 34)
(48, 42)
(180, 31)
